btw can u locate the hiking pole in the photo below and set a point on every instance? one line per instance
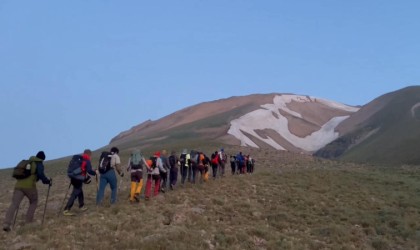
(16, 214)
(62, 203)
(97, 185)
(46, 201)
(121, 181)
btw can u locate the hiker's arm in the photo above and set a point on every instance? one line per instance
(119, 169)
(129, 164)
(117, 164)
(89, 169)
(145, 163)
(40, 173)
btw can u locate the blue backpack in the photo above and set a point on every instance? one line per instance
(74, 169)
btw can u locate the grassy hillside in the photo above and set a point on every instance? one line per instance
(291, 202)
(390, 136)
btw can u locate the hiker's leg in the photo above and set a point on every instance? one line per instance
(81, 197)
(133, 185)
(223, 169)
(148, 186)
(175, 180)
(10, 214)
(113, 182)
(157, 184)
(214, 168)
(189, 174)
(103, 181)
(133, 190)
(183, 174)
(139, 186)
(32, 195)
(163, 178)
(74, 194)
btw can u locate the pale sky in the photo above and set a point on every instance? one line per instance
(76, 73)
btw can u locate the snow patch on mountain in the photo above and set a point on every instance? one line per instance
(269, 117)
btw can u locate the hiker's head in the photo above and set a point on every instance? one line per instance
(164, 152)
(40, 155)
(173, 152)
(157, 154)
(114, 150)
(88, 152)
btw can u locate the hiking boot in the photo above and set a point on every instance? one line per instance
(84, 208)
(67, 213)
(162, 190)
(6, 228)
(172, 186)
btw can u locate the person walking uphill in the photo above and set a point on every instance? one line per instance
(173, 174)
(113, 163)
(77, 184)
(27, 187)
(153, 174)
(164, 173)
(136, 170)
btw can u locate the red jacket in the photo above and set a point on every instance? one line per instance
(86, 158)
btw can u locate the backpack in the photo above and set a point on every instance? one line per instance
(74, 169)
(215, 159)
(153, 159)
(172, 161)
(193, 156)
(22, 170)
(201, 159)
(135, 160)
(182, 159)
(104, 162)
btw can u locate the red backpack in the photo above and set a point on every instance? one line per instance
(215, 159)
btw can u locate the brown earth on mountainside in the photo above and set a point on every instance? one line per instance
(212, 120)
(194, 113)
(315, 115)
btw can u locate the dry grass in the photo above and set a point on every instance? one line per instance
(291, 202)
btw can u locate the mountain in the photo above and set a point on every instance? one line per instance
(384, 131)
(290, 122)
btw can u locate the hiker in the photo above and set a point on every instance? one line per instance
(248, 164)
(233, 164)
(215, 163)
(135, 167)
(201, 167)
(252, 164)
(173, 174)
(207, 163)
(77, 184)
(240, 161)
(184, 160)
(109, 177)
(222, 161)
(27, 187)
(193, 166)
(153, 174)
(164, 174)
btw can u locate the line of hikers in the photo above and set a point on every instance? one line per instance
(191, 165)
(159, 168)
